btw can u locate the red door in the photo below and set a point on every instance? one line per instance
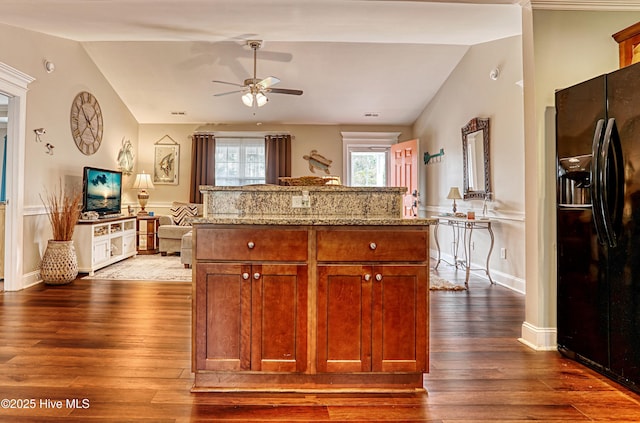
(404, 173)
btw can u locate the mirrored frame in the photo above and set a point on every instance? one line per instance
(473, 158)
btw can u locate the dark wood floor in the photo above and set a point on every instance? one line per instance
(120, 351)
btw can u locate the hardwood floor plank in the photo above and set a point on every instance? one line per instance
(126, 347)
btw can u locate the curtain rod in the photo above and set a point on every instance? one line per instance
(248, 135)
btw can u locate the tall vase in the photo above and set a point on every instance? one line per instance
(59, 263)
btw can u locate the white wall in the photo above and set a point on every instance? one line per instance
(48, 106)
(568, 47)
(469, 93)
(326, 139)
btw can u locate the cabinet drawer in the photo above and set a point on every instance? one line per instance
(372, 245)
(251, 244)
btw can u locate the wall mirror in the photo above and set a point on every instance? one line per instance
(475, 156)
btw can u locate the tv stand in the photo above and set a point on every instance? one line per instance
(102, 242)
(110, 216)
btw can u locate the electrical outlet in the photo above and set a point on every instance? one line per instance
(503, 253)
(298, 202)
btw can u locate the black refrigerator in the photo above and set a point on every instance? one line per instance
(598, 223)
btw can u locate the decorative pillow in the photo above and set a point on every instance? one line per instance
(182, 212)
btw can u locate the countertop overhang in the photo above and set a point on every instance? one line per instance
(313, 221)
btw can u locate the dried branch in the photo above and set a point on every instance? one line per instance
(64, 212)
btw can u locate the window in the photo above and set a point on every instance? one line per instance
(240, 161)
(368, 168)
(366, 158)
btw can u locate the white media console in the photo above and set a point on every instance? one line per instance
(99, 243)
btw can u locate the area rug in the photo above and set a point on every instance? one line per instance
(146, 267)
(168, 268)
(440, 284)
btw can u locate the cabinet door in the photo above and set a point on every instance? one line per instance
(279, 318)
(344, 319)
(223, 317)
(400, 320)
(101, 250)
(372, 318)
(129, 245)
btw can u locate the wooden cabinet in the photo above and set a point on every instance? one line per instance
(256, 310)
(628, 41)
(147, 234)
(372, 319)
(300, 308)
(257, 244)
(100, 243)
(255, 319)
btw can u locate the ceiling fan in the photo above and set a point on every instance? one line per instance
(255, 90)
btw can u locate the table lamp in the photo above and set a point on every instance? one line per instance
(142, 183)
(454, 194)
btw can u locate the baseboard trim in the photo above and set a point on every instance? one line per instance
(539, 339)
(31, 279)
(504, 279)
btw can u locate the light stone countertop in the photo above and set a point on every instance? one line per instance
(314, 221)
(298, 188)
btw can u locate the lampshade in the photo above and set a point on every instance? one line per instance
(143, 181)
(247, 99)
(261, 99)
(258, 98)
(454, 194)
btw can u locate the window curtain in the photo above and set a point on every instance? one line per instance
(277, 151)
(203, 164)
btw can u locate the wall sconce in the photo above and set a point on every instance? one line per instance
(494, 74)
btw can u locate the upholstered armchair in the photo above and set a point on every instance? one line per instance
(175, 225)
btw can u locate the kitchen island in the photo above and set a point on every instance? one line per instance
(304, 303)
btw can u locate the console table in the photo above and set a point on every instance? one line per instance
(462, 229)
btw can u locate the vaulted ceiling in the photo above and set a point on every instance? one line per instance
(352, 58)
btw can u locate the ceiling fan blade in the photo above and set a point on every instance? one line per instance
(228, 83)
(268, 82)
(285, 91)
(227, 93)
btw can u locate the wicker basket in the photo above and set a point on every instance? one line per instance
(303, 180)
(59, 264)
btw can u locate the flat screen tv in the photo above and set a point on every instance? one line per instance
(102, 191)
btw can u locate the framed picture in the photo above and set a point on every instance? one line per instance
(166, 161)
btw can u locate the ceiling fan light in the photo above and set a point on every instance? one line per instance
(247, 99)
(261, 99)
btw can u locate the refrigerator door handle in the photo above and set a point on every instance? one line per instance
(596, 185)
(611, 190)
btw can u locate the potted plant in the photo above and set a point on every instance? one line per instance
(59, 262)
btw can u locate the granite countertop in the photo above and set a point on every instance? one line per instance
(314, 221)
(311, 188)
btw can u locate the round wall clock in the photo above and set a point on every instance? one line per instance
(86, 123)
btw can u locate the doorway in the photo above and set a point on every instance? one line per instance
(13, 85)
(4, 120)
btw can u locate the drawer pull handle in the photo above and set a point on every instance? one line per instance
(256, 275)
(245, 276)
(367, 277)
(250, 244)
(373, 246)
(378, 277)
